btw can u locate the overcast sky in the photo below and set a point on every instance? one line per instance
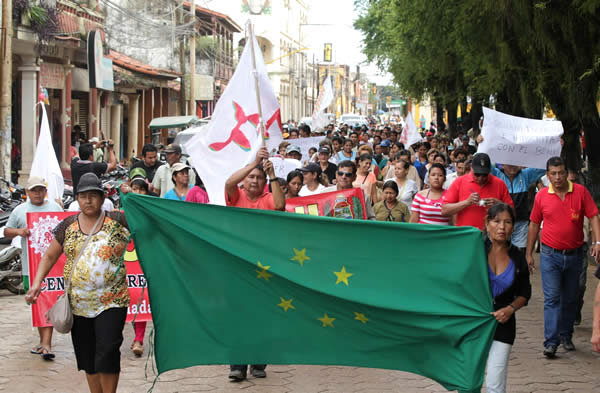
(345, 39)
(338, 17)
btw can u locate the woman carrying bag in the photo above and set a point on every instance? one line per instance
(93, 242)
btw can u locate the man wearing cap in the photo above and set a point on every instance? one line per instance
(326, 166)
(470, 195)
(162, 178)
(562, 207)
(85, 164)
(17, 226)
(294, 152)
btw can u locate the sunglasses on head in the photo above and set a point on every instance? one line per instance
(347, 174)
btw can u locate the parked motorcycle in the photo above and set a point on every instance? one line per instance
(112, 181)
(11, 197)
(10, 270)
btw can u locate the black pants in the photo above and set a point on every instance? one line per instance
(97, 341)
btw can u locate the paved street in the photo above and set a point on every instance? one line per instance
(530, 372)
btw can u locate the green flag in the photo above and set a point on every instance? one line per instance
(242, 286)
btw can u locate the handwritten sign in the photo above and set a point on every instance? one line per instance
(283, 166)
(519, 141)
(306, 143)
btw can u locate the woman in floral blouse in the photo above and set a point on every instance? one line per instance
(99, 296)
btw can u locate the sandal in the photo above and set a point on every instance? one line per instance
(36, 350)
(137, 348)
(46, 354)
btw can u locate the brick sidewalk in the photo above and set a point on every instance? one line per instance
(22, 372)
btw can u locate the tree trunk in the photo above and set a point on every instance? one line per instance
(465, 118)
(451, 108)
(591, 129)
(439, 109)
(476, 113)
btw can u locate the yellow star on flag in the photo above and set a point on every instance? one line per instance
(360, 317)
(300, 256)
(285, 304)
(343, 276)
(327, 321)
(262, 273)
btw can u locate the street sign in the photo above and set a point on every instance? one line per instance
(327, 52)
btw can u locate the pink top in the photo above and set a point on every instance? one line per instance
(430, 210)
(197, 195)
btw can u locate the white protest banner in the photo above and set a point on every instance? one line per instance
(306, 143)
(410, 135)
(283, 166)
(319, 118)
(519, 141)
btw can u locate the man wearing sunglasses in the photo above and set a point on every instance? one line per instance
(471, 195)
(344, 177)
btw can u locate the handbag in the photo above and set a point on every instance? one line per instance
(60, 314)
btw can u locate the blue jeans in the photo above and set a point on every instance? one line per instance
(560, 283)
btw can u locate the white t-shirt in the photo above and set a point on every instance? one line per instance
(304, 191)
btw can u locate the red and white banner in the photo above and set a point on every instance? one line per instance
(349, 204)
(41, 226)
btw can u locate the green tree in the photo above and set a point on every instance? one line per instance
(523, 53)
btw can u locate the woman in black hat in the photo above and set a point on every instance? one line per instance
(98, 292)
(314, 181)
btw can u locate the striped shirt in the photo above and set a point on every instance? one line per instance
(430, 210)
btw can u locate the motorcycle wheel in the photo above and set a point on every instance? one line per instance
(15, 286)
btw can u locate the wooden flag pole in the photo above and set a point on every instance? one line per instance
(256, 84)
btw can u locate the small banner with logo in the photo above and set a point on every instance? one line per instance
(41, 226)
(349, 204)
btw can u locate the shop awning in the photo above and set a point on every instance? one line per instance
(172, 122)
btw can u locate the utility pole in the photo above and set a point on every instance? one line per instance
(5, 89)
(193, 62)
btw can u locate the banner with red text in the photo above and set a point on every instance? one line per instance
(41, 226)
(347, 204)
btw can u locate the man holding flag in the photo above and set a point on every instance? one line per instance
(253, 196)
(246, 118)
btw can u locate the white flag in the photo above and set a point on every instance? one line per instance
(411, 134)
(232, 138)
(319, 119)
(45, 164)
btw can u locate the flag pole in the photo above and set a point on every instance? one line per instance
(256, 84)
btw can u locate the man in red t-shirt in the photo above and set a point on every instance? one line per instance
(254, 177)
(471, 195)
(561, 206)
(253, 196)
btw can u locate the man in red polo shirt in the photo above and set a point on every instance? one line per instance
(253, 196)
(471, 195)
(561, 206)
